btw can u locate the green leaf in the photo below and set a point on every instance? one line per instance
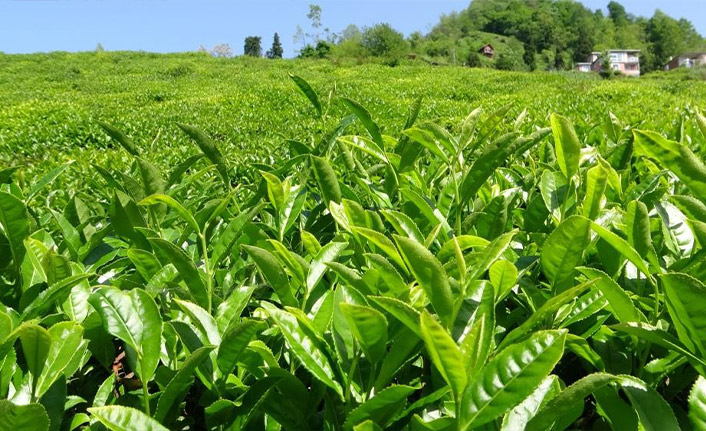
(503, 275)
(403, 225)
(366, 145)
(201, 320)
(36, 343)
(564, 402)
(367, 426)
(307, 91)
(676, 157)
(119, 418)
(308, 349)
(511, 376)
(544, 312)
(596, 182)
(317, 268)
(382, 242)
(431, 136)
(554, 188)
(477, 341)
(327, 180)
(277, 190)
(490, 254)
(381, 408)
(208, 147)
(234, 343)
(622, 247)
(563, 250)
(120, 137)
(365, 118)
(637, 222)
(697, 404)
(186, 268)
(686, 299)
(689, 205)
(369, 327)
(566, 145)
(135, 319)
(401, 311)
(444, 354)
(56, 292)
(66, 343)
(14, 224)
(273, 272)
(172, 203)
(654, 412)
(518, 418)
(661, 338)
(151, 178)
(46, 180)
(31, 417)
(620, 303)
(495, 155)
(228, 236)
(232, 307)
(179, 385)
(430, 275)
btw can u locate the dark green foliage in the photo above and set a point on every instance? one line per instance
(568, 28)
(473, 60)
(253, 46)
(381, 40)
(276, 51)
(321, 50)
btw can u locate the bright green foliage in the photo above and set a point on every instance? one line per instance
(461, 272)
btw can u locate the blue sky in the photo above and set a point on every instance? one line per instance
(182, 25)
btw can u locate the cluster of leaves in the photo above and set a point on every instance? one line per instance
(478, 278)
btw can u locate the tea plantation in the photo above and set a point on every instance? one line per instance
(191, 243)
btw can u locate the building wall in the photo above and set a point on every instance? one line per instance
(687, 61)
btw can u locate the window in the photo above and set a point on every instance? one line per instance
(615, 66)
(618, 57)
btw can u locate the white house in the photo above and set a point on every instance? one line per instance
(687, 59)
(626, 61)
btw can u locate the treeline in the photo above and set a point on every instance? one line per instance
(557, 34)
(526, 35)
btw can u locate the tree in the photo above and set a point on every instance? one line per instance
(222, 50)
(276, 51)
(321, 50)
(381, 40)
(314, 16)
(99, 48)
(529, 57)
(606, 70)
(507, 61)
(558, 59)
(253, 46)
(473, 60)
(617, 13)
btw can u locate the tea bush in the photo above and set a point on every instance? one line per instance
(499, 270)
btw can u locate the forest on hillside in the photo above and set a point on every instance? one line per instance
(526, 34)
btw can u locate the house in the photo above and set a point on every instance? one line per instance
(488, 51)
(625, 61)
(687, 59)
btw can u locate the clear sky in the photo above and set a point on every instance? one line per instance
(183, 25)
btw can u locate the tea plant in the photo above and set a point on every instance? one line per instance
(494, 274)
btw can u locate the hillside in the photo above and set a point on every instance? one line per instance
(556, 34)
